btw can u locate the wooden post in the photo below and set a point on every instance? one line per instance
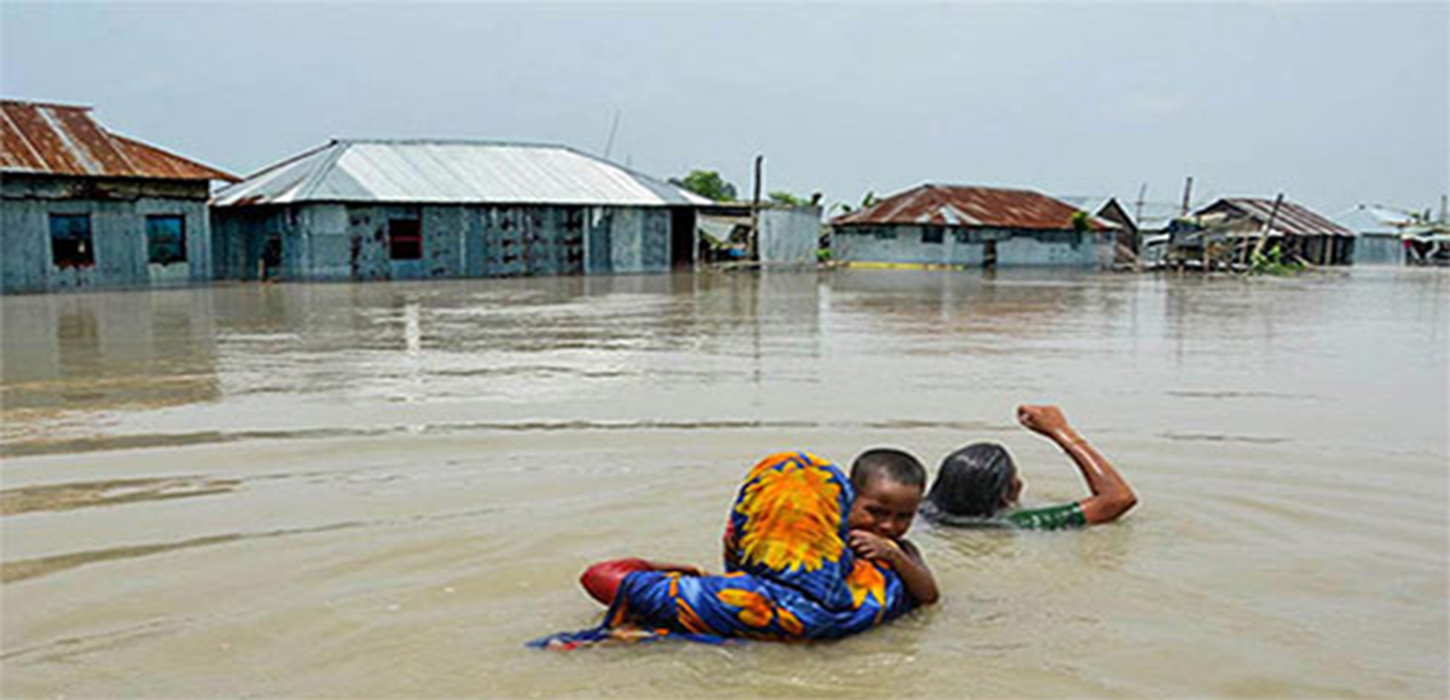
(1138, 210)
(755, 211)
(1187, 193)
(1269, 227)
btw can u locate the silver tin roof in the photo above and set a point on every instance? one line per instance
(451, 172)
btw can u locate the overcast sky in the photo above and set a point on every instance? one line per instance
(1333, 104)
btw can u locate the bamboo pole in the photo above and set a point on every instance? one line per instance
(1268, 227)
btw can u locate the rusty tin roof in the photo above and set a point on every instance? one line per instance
(1293, 219)
(64, 140)
(959, 205)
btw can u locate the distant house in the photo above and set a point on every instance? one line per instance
(81, 207)
(1381, 232)
(1296, 231)
(972, 226)
(1126, 234)
(407, 209)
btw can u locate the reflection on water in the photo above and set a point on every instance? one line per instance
(384, 489)
(69, 495)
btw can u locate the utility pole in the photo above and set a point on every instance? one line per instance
(1269, 227)
(613, 129)
(755, 210)
(1187, 192)
(1138, 206)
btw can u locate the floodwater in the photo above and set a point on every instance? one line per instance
(384, 490)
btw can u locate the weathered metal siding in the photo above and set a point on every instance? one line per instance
(350, 241)
(789, 236)
(967, 246)
(639, 240)
(117, 211)
(1373, 249)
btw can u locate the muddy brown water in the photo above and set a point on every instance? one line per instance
(384, 490)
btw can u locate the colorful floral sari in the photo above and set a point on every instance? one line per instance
(789, 574)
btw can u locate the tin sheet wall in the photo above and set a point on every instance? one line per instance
(1371, 249)
(968, 247)
(789, 236)
(351, 242)
(117, 211)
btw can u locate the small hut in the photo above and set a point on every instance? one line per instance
(1380, 231)
(410, 209)
(972, 226)
(1228, 230)
(84, 208)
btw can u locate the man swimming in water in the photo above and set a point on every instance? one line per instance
(978, 485)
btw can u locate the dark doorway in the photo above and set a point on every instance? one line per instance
(682, 238)
(269, 263)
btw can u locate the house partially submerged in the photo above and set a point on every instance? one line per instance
(1381, 233)
(1227, 233)
(1126, 235)
(81, 207)
(972, 226)
(788, 236)
(408, 209)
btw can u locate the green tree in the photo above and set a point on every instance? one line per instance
(708, 184)
(788, 199)
(867, 201)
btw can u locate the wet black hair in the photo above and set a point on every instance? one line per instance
(973, 482)
(896, 465)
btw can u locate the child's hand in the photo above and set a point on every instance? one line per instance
(1044, 420)
(873, 546)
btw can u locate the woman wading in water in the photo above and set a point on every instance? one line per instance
(978, 485)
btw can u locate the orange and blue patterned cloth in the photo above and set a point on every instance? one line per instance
(790, 575)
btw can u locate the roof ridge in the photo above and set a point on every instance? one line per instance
(961, 186)
(314, 180)
(286, 162)
(33, 103)
(424, 141)
(138, 142)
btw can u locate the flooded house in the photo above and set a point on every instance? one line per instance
(789, 236)
(1127, 237)
(409, 209)
(972, 226)
(1380, 232)
(84, 208)
(1224, 233)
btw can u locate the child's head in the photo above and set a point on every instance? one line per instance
(888, 484)
(975, 481)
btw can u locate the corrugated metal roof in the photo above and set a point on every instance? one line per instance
(1292, 219)
(1373, 218)
(65, 140)
(957, 205)
(431, 171)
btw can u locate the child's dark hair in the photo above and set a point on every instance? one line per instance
(893, 464)
(973, 481)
